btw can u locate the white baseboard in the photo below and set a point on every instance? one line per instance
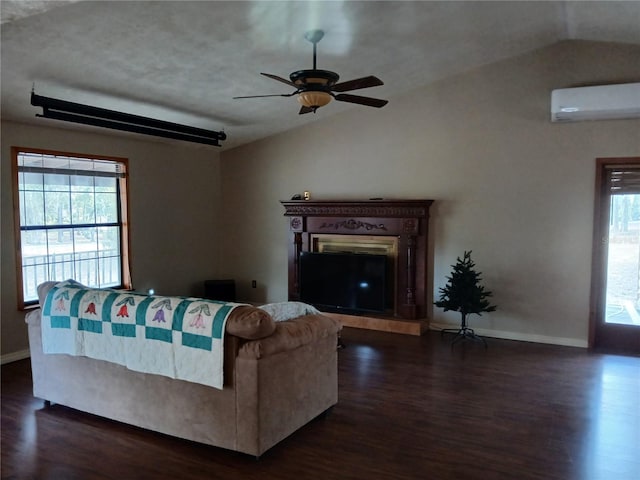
(15, 356)
(522, 337)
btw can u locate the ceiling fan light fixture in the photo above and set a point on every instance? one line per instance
(314, 99)
(315, 88)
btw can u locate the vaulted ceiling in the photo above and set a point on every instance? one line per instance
(184, 61)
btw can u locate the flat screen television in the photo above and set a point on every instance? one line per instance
(343, 282)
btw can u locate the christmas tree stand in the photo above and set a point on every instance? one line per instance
(463, 333)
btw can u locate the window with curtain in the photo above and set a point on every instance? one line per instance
(71, 217)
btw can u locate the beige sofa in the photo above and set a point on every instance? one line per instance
(278, 377)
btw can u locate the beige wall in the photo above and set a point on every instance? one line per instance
(174, 205)
(507, 184)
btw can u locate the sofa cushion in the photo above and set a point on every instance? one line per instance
(291, 334)
(288, 310)
(250, 323)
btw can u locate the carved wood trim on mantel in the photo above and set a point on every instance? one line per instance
(358, 208)
(408, 220)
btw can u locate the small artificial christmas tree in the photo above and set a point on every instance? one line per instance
(463, 293)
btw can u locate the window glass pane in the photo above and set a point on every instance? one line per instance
(31, 199)
(31, 181)
(86, 256)
(31, 278)
(86, 239)
(106, 207)
(56, 183)
(87, 272)
(28, 160)
(57, 206)
(22, 202)
(60, 254)
(81, 183)
(34, 262)
(82, 208)
(110, 264)
(54, 161)
(79, 164)
(110, 271)
(109, 240)
(105, 184)
(32, 208)
(62, 269)
(59, 242)
(623, 262)
(34, 243)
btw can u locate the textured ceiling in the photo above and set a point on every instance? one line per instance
(184, 61)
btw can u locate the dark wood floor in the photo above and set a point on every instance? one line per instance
(410, 408)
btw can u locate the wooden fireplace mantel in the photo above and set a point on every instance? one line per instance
(408, 220)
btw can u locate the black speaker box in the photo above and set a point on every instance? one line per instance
(224, 290)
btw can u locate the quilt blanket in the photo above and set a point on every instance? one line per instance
(178, 337)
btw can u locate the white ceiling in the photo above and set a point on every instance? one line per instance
(184, 61)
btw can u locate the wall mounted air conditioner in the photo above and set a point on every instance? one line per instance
(596, 103)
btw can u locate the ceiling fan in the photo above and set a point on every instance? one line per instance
(315, 88)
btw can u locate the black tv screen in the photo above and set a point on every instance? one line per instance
(343, 282)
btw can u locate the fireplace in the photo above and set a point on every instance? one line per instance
(397, 229)
(382, 245)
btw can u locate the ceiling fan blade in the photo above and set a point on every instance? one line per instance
(364, 82)
(368, 101)
(279, 79)
(304, 109)
(275, 95)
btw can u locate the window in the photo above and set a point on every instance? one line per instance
(72, 216)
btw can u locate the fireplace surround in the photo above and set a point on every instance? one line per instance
(396, 228)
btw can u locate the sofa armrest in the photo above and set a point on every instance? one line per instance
(290, 335)
(34, 317)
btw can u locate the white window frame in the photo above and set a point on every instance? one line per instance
(80, 167)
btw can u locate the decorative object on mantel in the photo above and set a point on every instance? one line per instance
(463, 293)
(315, 88)
(126, 122)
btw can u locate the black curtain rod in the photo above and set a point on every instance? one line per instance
(101, 117)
